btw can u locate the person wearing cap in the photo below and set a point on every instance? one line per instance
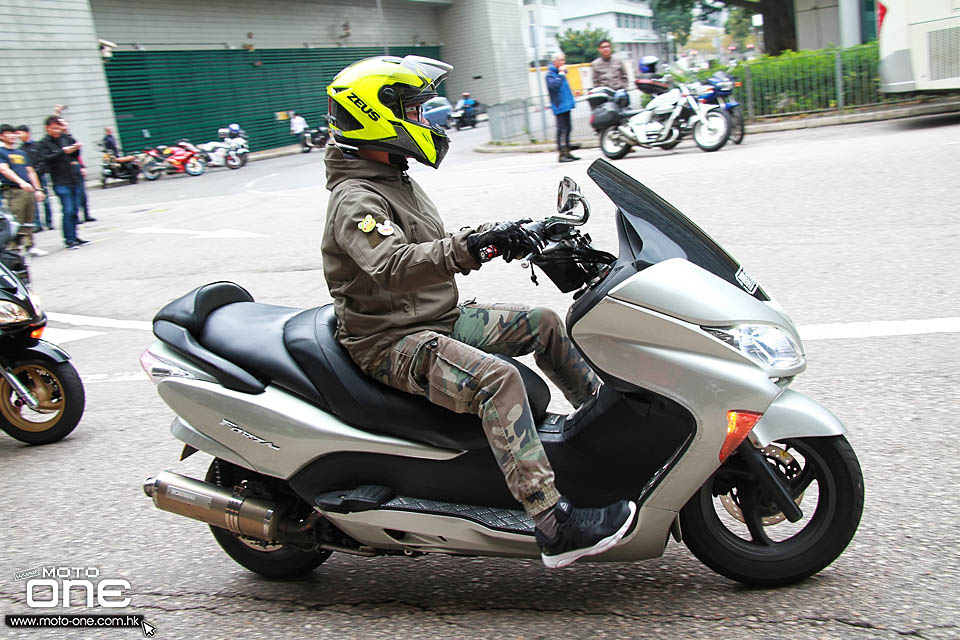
(21, 186)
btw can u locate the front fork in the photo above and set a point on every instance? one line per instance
(18, 387)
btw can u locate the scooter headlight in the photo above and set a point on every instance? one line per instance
(12, 313)
(765, 344)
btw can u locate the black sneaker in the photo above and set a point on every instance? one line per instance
(78, 242)
(584, 532)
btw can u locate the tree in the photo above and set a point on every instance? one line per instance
(581, 46)
(739, 26)
(674, 17)
(779, 24)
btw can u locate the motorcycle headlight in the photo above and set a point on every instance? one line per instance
(11, 313)
(764, 344)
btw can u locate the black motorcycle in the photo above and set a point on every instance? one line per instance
(114, 167)
(41, 394)
(314, 138)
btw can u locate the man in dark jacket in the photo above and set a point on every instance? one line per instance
(390, 267)
(561, 103)
(60, 154)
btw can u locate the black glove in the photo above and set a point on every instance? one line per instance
(507, 239)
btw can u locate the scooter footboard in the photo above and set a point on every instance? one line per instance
(794, 415)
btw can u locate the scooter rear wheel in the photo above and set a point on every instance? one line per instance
(58, 388)
(612, 143)
(735, 529)
(276, 561)
(737, 127)
(151, 171)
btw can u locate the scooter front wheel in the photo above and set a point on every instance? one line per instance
(612, 143)
(276, 561)
(713, 132)
(59, 390)
(734, 528)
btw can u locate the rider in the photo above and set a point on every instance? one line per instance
(390, 268)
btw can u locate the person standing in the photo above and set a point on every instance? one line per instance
(60, 154)
(32, 148)
(81, 175)
(298, 126)
(608, 69)
(21, 186)
(561, 103)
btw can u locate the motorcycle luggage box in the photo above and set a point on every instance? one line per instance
(599, 95)
(653, 87)
(606, 115)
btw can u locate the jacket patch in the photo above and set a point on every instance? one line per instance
(368, 224)
(385, 228)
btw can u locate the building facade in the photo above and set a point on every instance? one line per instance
(177, 68)
(629, 23)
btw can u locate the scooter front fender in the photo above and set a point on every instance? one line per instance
(34, 349)
(794, 415)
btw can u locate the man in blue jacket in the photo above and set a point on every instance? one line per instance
(562, 103)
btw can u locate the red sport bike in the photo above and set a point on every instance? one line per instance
(182, 157)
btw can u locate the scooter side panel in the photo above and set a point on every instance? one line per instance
(276, 431)
(681, 289)
(186, 434)
(675, 359)
(794, 415)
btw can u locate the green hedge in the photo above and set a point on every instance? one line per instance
(805, 81)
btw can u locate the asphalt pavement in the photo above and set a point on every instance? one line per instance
(854, 229)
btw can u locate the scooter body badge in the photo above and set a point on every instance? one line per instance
(746, 281)
(246, 434)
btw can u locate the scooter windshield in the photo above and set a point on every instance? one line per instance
(652, 230)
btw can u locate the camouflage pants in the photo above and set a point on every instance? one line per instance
(458, 372)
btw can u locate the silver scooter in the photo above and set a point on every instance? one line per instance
(695, 421)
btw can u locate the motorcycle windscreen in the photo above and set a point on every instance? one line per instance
(660, 232)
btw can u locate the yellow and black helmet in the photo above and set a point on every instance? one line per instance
(368, 100)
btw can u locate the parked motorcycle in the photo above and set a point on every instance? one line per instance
(182, 157)
(113, 167)
(220, 153)
(461, 118)
(663, 122)
(314, 138)
(41, 394)
(695, 421)
(718, 90)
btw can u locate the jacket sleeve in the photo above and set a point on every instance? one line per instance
(554, 80)
(387, 256)
(48, 152)
(595, 73)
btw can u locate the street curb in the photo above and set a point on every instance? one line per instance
(767, 127)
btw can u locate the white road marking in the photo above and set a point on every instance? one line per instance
(94, 321)
(91, 378)
(199, 235)
(253, 182)
(879, 329)
(63, 336)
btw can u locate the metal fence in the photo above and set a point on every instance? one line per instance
(791, 84)
(812, 82)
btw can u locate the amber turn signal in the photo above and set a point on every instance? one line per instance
(739, 424)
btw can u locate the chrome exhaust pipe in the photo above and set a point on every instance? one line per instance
(218, 506)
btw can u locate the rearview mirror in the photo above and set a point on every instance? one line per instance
(568, 197)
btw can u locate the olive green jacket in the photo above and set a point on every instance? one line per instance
(388, 262)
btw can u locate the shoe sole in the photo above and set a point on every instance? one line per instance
(564, 559)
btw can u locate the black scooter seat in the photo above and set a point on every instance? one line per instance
(245, 344)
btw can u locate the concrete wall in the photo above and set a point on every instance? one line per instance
(484, 43)
(219, 24)
(818, 23)
(49, 55)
